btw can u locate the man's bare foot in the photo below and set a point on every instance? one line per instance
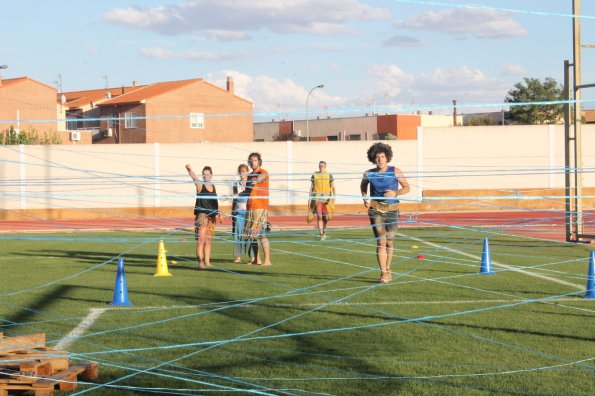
(237, 260)
(265, 264)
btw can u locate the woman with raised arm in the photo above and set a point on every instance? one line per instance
(206, 213)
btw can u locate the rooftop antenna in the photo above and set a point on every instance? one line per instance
(58, 83)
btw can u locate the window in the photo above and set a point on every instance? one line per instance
(129, 120)
(110, 120)
(197, 120)
(355, 137)
(332, 138)
(71, 124)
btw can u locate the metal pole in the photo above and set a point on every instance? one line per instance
(308, 98)
(568, 157)
(578, 174)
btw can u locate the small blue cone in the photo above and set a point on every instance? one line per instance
(120, 289)
(486, 261)
(591, 277)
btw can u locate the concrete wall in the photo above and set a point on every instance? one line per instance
(106, 180)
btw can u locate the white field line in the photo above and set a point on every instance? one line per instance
(473, 256)
(97, 312)
(94, 314)
(454, 302)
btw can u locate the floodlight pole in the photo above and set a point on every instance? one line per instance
(569, 160)
(578, 174)
(307, 124)
(573, 137)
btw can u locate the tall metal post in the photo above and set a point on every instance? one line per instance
(578, 170)
(569, 150)
(307, 124)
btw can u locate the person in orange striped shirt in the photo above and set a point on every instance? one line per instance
(257, 210)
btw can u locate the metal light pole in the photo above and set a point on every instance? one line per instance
(308, 98)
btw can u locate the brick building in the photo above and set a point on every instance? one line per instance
(82, 111)
(187, 111)
(368, 127)
(26, 103)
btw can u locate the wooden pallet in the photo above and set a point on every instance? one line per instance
(27, 364)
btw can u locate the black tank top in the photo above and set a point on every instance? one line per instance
(206, 202)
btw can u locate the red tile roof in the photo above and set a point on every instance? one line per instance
(18, 80)
(80, 98)
(149, 91)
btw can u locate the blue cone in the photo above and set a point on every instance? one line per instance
(486, 261)
(591, 277)
(120, 289)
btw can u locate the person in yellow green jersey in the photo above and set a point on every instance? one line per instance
(322, 197)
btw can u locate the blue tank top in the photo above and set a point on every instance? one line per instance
(382, 181)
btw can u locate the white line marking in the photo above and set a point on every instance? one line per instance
(94, 314)
(417, 302)
(555, 280)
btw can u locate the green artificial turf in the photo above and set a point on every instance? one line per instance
(316, 321)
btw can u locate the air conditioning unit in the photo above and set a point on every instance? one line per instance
(75, 136)
(109, 132)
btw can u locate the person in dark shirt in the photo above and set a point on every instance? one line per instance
(206, 213)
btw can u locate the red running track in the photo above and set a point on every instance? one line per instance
(538, 224)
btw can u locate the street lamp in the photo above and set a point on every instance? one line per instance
(307, 98)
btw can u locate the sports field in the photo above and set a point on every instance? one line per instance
(317, 321)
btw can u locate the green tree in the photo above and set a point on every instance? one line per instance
(28, 136)
(533, 90)
(278, 137)
(481, 120)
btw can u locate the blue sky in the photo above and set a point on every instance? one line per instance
(369, 54)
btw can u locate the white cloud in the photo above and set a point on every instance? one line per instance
(511, 69)
(227, 35)
(279, 97)
(328, 47)
(162, 53)
(466, 22)
(438, 87)
(159, 53)
(389, 78)
(403, 41)
(318, 17)
(388, 85)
